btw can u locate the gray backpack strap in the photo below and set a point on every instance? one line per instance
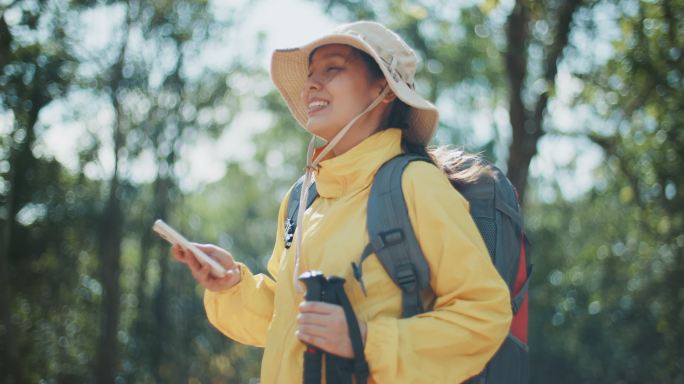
(518, 299)
(293, 207)
(392, 238)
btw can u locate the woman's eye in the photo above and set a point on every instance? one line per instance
(330, 69)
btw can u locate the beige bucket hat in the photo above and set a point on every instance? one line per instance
(289, 68)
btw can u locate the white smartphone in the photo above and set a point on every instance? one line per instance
(172, 236)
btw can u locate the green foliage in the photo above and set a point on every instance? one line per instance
(607, 292)
(612, 261)
(52, 274)
(55, 293)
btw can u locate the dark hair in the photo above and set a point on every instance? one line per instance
(462, 168)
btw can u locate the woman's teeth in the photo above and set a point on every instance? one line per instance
(316, 105)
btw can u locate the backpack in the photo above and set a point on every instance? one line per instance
(495, 209)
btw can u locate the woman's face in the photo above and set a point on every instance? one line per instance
(338, 88)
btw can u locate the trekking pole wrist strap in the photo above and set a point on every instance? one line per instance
(361, 369)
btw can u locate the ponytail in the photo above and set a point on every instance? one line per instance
(461, 168)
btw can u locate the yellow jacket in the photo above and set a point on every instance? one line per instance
(453, 342)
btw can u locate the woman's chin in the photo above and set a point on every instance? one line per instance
(325, 132)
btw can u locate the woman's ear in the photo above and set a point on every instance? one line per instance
(389, 98)
(382, 84)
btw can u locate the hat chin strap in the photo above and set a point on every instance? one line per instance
(312, 165)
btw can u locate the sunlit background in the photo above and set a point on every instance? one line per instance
(115, 113)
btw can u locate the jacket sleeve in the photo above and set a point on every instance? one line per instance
(472, 312)
(244, 311)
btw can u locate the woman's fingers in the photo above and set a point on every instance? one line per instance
(316, 341)
(219, 254)
(231, 275)
(192, 261)
(202, 272)
(178, 253)
(186, 256)
(322, 314)
(324, 326)
(319, 330)
(319, 307)
(317, 319)
(321, 319)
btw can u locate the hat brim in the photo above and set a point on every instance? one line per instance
(289, 69)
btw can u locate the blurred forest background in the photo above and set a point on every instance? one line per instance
(89, 294)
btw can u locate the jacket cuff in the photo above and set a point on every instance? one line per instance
(382, 336)
(236, 292)
(244, 273)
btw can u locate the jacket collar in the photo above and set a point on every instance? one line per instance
(354, 170)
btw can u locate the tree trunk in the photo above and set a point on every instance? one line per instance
(148, 337)
(528, 126)
(164, 185)
(161, 324)
(22, 163)
(7, 348)
(111, 234)
(516, 68)
(10, 368)
(7, 342)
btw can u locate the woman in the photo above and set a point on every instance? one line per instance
(354, 88)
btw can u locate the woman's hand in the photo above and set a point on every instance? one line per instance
(324, 326)
(201, 272)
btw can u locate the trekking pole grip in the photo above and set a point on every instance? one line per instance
(313, 357)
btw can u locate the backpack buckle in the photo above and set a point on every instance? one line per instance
(388, 238)
(406, 277)
(289, 232)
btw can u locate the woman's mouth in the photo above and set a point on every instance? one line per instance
(317, 105)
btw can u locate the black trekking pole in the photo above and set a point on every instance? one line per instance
(341, 369)
(313, 357)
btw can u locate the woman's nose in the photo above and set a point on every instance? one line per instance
(312, 83)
